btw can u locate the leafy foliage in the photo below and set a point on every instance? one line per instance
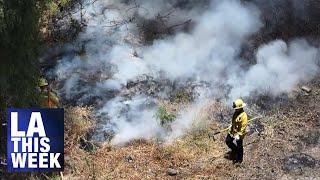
(52, 7)
(19, 45)
(164, 116)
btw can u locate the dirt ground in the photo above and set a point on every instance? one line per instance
(284, 144)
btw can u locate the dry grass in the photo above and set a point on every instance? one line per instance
(195, 156)
(189, 155)
(172, 107)
(78, 122)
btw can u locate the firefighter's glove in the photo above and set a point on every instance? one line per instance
(235, 139)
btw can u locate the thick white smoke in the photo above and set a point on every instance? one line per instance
(211, 48)
(280, 67)
(210, 53)
(137, 123)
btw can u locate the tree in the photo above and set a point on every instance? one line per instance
(19, 47)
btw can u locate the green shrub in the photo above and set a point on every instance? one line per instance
(63, 3)
(19, 49)
(164, 116)
(53, 8)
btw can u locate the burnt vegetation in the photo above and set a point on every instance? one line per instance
(288, 133)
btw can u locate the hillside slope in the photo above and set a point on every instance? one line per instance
(285, 144)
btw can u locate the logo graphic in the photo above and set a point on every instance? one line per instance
(35, 140)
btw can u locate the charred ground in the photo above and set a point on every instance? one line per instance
(283, 144)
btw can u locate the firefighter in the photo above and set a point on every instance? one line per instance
(48, 99)
(237, 131)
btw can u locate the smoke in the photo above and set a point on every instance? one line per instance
(208, 53)
(210, 48)
(190, 117)
(280, 67)
(131, 119)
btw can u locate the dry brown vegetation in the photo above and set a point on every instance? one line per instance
(290, 128)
